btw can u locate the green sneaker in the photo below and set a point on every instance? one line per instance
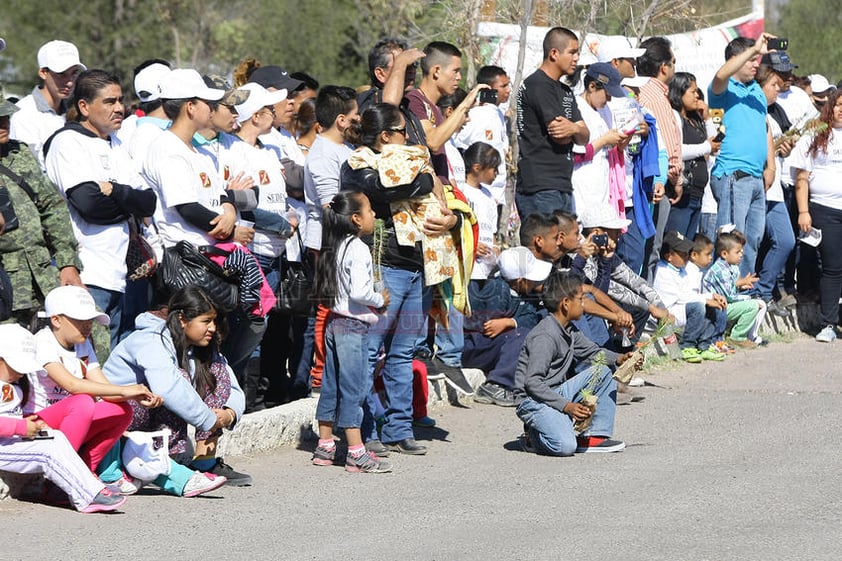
(712, 354)
(691, 355)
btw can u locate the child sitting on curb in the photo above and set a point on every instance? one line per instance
(701, 256)
(701, 315)
(504, 311)
(724, 278)
(547, 392)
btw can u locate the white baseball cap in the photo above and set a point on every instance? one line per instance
(520, 263)
(602, 216)
(819, 84)
(58, 56)
(617, 47)
(258, 97)
(147, 80)
(74, 302)
(17, 348)
(186, 83)
(636, 82)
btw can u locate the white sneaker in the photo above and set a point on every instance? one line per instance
(826, 335)
(202, 483)
(128, 485)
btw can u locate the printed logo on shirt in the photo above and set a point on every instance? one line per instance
(8, 393)
(226, 173)
(104, 161)
(263, 177)
(206, 182)
(489, 135)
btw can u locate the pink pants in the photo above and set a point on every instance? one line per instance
(92, 427)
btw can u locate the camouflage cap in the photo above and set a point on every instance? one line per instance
(7, 107)
(232, 97)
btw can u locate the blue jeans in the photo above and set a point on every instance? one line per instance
(704, 326)
(543, 202)
(111, 302)
(398, 331)
(707, 225)
(497, 356)
(742, 202)
(781, 242)
(345, 387)
(684, 216)
(451, 341)
(552, 431)
(631, 247)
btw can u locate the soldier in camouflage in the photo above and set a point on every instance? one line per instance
(44, 233)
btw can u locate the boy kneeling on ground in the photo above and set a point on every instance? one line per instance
(547, 390)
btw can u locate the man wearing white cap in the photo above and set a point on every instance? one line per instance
(147, 76)
(620, 54)
(820, 88)
(192, 205)
(102, 189)
(43, 111)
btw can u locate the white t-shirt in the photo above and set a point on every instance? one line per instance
(77, 361)
(283, 144)
(146, 132)
(179, 174)
(263, 166)
(590, 179)
(35, 123)
(825, 169)
(10, 399)
(485, 208)
(127, 128)
(75, 158)
(775, 192)
(293, 246)
(321, 183)
(799, 109)
(455, 163)
(487, 123)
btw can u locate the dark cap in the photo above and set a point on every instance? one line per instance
(274, 77)
(674, 241)
(605, 74)
(779, 61)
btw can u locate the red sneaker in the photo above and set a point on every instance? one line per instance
(590, 444)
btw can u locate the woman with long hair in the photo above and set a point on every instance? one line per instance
(401, 268)
(696, 146)
(177, 352)
(818, 193)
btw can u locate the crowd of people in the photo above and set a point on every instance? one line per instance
(644, 213)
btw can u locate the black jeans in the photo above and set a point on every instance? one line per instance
(829, 221)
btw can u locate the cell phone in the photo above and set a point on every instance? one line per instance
(777, 44)
(601, 240)
(720, 136)
(43, 435)
(488, 96)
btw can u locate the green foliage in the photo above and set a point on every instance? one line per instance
(814, 29)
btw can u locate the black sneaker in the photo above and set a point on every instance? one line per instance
(495, 394)
(453, 376)
(235, 478)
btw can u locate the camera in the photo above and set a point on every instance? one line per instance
(778, 44)
(488, 96)
(601, 240)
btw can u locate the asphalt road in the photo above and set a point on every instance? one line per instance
(730, 461)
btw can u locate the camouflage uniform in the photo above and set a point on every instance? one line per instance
(44, 232)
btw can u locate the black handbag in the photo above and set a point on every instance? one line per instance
(141, 261)
(183, 265)
(296, 284)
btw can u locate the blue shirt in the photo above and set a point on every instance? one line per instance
(744, 146)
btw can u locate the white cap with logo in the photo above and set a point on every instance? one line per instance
(147, 80)
(17, 348)
(58, 56)
(74, 302)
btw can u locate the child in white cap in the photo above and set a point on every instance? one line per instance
(68, 379)
(25, 445)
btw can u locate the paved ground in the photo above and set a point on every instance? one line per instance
(731, 461)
